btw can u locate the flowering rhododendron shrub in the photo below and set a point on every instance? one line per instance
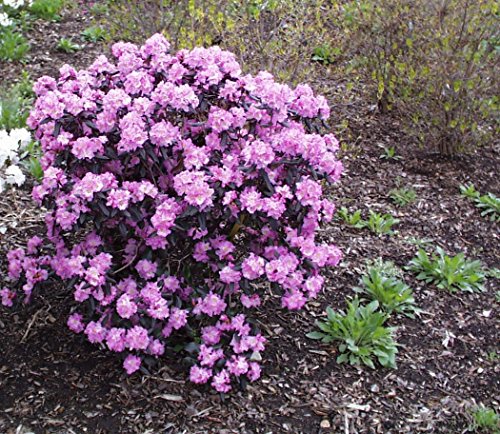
(181, 195)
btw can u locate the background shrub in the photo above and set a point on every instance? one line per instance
(431, 62)
(278, 36)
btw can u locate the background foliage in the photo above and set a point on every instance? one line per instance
(430, 63)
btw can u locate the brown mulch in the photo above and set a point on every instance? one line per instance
(44, 58)
(52, 381)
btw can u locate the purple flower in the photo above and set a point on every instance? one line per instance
(254, 371)
(95, 332)
(293, 300)
(250, 301)
(133, 132)
(237, 366)
(308, 192)
(229, 275)
(212, 304)
(164, 133)
(253, 267)
(208, 356)
(199, 375)
(221, 382)
(251, 200)
(146, 269)
(156, 348)
(137, 338)
(75, 323)
(131, 364)
(195, 189)
(211, 335)
(115, 339)
(118, 199)
(178, 192)
(87, 148)
(125, 306)
(178, 318)
(7, 297)
(164, 218)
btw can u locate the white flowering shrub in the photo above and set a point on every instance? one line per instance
(11, 146)
(9, 9)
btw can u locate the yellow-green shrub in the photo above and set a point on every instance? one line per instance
(276, 35)
(431, 62)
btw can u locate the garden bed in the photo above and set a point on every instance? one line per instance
(52, 380)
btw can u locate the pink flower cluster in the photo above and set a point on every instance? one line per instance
(178, 189)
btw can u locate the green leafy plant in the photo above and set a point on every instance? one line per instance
(94, 34)
(403, 196)
(380, 223)
(377, 223)
(421, 243)
(15, 104)
(488, 204)
(30, 159)
(493, 272)
(24, 87)
(99, 9)
(451, 273)
(67, 45)
(469, 191)
(254, 8)
(353, 219)
(361, 333)
(392, 294)
(13, 45)
(47, 9)
(325, 54)
(389, 153)
(497, 296)
(485, 419)
(493, 356)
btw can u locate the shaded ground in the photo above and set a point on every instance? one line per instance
(52, 381)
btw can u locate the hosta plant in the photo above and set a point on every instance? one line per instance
(181, 192)
(361, 334)
(392, 294)
(448, 272)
